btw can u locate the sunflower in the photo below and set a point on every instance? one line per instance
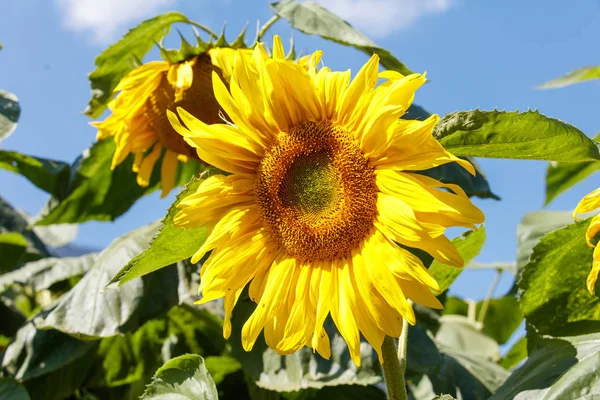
(138, 121)
(590, 202)
(321, 202)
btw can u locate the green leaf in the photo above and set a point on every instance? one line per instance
(13, 248)
(469, 244)
(555, 299)
(562, 176)
(41, 359)
(172, 244)
(184, 377)
(533, 227)
(9, 114)
(34, 353)
(13, 222)
(12, 318)
(515, 355)
(460, 334)
(13, 390)
(501, 319)
(94, 192)
(557, 368)
(303, 369)
(125, 359)
(120, 58)
(90, 311)
(579, 75)
(311, 18)
(48, 175)
(44, 273)
(524, 136)
(468, 365)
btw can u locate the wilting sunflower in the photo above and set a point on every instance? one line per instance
(590, 202)
(321, 202)
(139, 123)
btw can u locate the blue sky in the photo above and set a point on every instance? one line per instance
(476, 54)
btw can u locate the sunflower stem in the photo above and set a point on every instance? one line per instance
(394, 364)
(204, 28)
(486, 302)
(266, 27)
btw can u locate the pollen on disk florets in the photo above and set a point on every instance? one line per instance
(317, 192)
(197, 99)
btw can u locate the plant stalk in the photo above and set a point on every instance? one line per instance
(204, 28)
(486, 302)
(394, 364)
(266, 27)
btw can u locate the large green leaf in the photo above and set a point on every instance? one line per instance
(555, 299)
(311, 18)
(557, 369)
(35, 353)
(120, 58)
(172, 244)
(44, 273)
(90, 311)
(12, 390)
(533, 227)
(9, 113)
(525, 136)
(49, 175)
(562, 176)
(468, 245)
(468, 362)
(184, 377)
(579, 75)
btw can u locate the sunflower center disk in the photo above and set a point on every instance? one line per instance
(199, 100)
(317, 192)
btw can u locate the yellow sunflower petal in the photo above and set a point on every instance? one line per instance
(142, 75)
(147, 165)
(412, 147)
(278, 282)
(430, 205)
(593, 276)
(592, 230)
(341, 310)
(213, 199)
(168, 172)
(590, 202)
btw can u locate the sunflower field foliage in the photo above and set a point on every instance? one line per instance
(320, 218)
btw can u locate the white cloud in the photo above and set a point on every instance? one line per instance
(105, 20)
(380, 18)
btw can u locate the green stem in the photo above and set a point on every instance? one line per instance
(486, 302)
(266, 27)
(204, 28)
(394, 364)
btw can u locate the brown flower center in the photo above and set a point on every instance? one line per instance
(199, 100)
(317, 192)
